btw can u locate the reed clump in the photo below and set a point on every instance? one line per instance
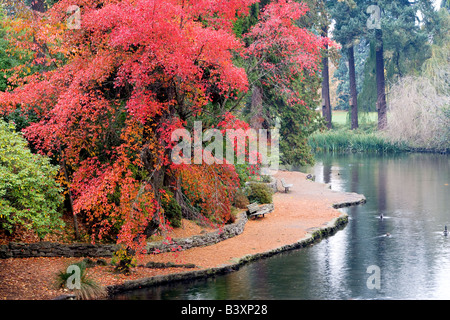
(348, 141)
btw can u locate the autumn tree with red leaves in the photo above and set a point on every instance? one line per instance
(113, 91)
(283, 64)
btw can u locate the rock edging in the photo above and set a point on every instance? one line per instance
(313, 236)
(207, 239)
(54, 249)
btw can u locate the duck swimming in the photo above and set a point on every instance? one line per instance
(445, 231)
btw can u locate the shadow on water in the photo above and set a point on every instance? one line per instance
(407, 245)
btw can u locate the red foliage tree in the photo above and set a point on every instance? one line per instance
(280, 51)
(113, 91)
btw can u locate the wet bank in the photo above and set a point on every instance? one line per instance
(302, 217)
(413, 262)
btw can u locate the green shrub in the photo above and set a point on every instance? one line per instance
(260, 192)
(123, 260)
(172, 210)
(29, 194)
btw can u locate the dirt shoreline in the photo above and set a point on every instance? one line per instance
(300, 218)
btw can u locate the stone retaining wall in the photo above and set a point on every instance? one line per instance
(201, 240)
(52, 249)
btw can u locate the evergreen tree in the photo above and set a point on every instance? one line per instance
(326, 100)
(349, 19)
(362, 51)
(380, 79)
(445, 4)
(367, 97)
(318, 19)
(401, 43)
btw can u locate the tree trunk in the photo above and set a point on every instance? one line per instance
(38, 7)
(353, 92)
(66, 175)
(257, 118)
(159, 178)
(381, 90)
(326, 101)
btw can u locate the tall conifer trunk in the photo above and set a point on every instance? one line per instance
(326, 101)
(353, 92)
(381, 90)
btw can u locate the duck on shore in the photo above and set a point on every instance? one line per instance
(445, 231)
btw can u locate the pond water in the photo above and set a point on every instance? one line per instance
(359, 262)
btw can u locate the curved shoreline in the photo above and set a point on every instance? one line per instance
(300, 218)
(315, 235)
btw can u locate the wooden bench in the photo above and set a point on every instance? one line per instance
(255, 211)
(286, 186)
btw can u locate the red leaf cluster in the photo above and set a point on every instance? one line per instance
(109, 95)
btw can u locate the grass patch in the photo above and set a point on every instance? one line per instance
(368, 121)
